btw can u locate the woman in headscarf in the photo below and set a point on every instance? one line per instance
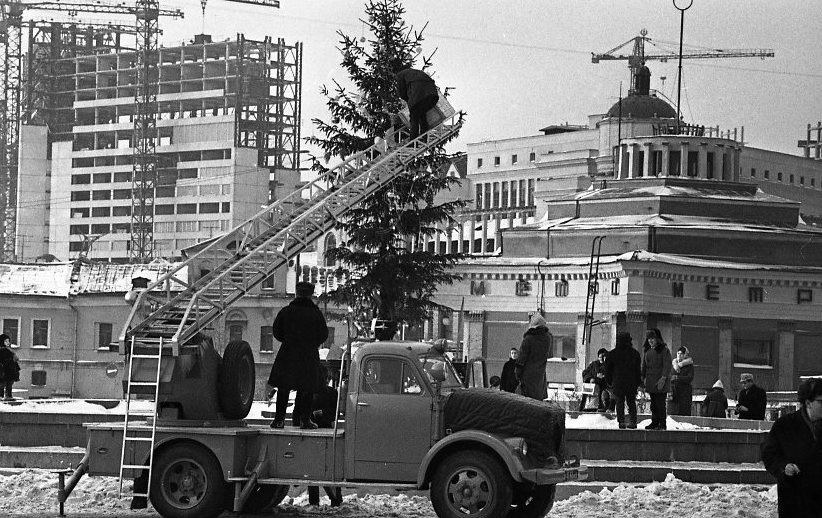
(682, 377)
(534, 352)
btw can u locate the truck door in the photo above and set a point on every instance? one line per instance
(393, 420)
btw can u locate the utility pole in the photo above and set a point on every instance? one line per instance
(682, 7)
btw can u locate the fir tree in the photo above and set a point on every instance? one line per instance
(391, 276)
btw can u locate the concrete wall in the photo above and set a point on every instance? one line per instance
(33, 188)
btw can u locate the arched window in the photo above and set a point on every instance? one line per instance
(330, 244)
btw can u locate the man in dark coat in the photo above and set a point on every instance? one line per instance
(595, 373)
(416, 88)
(656, 375)
(301, 328)
(793, 454)
(508, 379)
(9, 367)
(622, 374)
(534, 352)
(752, 399)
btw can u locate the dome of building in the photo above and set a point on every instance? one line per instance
(643, 107)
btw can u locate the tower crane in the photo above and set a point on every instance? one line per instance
(11, 57)
(638, 56)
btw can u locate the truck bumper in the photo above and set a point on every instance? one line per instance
(545, 476)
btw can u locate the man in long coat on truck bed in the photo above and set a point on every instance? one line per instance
(301, 328)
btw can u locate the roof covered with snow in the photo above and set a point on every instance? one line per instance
(55, 279)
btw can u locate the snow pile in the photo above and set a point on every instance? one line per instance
(602, 420)
(670, 499)
(34, 491)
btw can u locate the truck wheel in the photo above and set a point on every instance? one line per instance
(264, 498)
(533, 502)
(187, 482)
(471, 483)
(236, 380)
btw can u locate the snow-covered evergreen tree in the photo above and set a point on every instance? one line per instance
(391, 275)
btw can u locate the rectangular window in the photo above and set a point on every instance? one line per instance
(101, 195)
(504, 200)
(522, 193)
(531, 191)
(122, 177)
(266, 339)
(478, 196)
(101, 212)
(813, 182)
(693, 163)
(479, 163)
(187, 226)
(767, 174)
(163, 210)
(164, 227)
(39, 333)
(100, 228)
(753, 351)
(122, 194)
(513, 159)
(80, 179)
(756, 294)
(187, 174)
(209, 208)
(104, 335)
(487, 196)
(712, 292)
(121, 211)
(801, 180)
(678, 289)
(674, 163)
(38, 378)
(235, 332)
(80, 195)
(79, 212)
(778, 177)
(561, 288)
(225, 207)
(753, 172)
(76, 246)
(209, 190)
(615, 287)
(11, 327)
(78, 230)
(187, 208)
(532, 157)
(497, 161)
(790, 179)
(102, 178)
(710, 164)
(495, 203)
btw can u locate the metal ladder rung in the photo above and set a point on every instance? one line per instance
(139, 439)
(147, 356)
(142, 383)
(134, 466)
(143, 495)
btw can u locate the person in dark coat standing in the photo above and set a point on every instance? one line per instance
(623, 375)
(416, 88)
(301, 328)
(656, 375)
(752, 400)
(9, 367)
(534, 352)
(682, 377)
(715, 403)
(793, 454)
(595, 373)
(508, 379)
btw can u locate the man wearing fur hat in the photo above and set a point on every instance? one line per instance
(752, 399)
(301, 328)
(534, 352)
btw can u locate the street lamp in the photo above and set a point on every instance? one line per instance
(682, 6)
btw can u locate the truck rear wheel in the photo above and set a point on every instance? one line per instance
(532, 502)
(187, 482)
(236, 380)
(471, 483)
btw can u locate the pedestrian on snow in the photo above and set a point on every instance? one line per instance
(416, 88)
(508, 379)
(595, 373)
(301, 328)
(9, 367)
(623, 375)
(752, 400)
(534, 352)
(793, 454)
(682, 377)
(715, 403)
(656, 374)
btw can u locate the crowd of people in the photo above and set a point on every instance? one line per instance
(612, 382)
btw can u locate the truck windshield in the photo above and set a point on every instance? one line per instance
(428, 362)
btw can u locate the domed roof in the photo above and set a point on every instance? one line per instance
(638, 106)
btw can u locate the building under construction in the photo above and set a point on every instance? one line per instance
(227, 139)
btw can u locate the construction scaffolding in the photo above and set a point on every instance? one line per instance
(75, 79)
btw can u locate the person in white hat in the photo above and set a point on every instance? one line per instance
(536, 348)
(715, 404)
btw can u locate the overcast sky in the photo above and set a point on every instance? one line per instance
(519, 65)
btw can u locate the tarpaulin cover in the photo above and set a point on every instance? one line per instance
(540, 423)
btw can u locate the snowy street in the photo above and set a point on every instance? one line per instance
(32, 494)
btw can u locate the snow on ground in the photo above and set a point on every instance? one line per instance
(33, 493)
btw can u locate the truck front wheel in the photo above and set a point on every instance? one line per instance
(532, 501)
(187, 482)
(471, 483)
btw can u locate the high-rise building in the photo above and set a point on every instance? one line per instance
(228, 116)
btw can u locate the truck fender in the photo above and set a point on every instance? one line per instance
(171, 441)
(467, 440)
